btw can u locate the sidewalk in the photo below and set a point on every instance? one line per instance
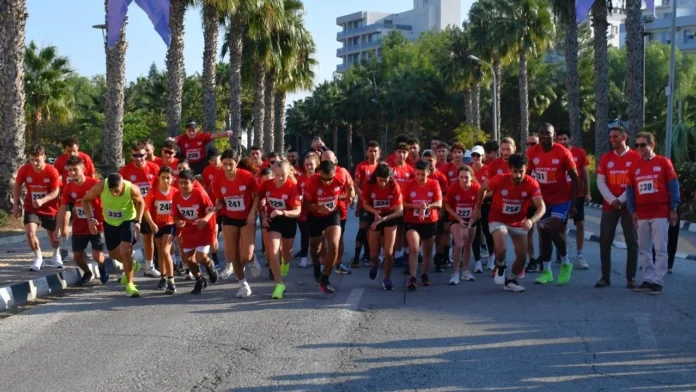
(686, 247)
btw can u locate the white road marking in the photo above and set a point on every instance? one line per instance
(645, 332)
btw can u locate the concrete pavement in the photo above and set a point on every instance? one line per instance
(473, 336)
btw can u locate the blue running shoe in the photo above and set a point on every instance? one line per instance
(103, 274)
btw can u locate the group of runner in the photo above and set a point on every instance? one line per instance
(422, 202)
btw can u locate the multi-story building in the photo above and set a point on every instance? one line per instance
(362, 31)
(659, 29)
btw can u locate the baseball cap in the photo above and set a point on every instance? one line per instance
(191, 124)
(478, 150)
(427, 153)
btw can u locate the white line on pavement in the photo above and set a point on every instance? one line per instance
(354, 299)
(645, 332)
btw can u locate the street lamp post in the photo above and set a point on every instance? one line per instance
(670, 88)
(495, 95)
(645, 19)
(101, 27)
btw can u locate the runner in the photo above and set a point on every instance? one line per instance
(150, 151)
(324, 220)
(234, 194)
(512, 194)
(193, 144)
(450, 169)
(211, 171)
(383, 201)
(551, 162)
(652, 196)
(122, 207)
(311, 162)
(422, 200)
(42, 183)
(73, 192)
(159, 216)
(442, 154)
(580, 159)
(168, 158)
(413, 151)
(460, 204)
(347, 197)
(442, 239)
(535, 264)
(612, 178)
(143, 174)
(256, 156)
(492, 149)
(497, 166)
(434, 143)
(391, 158)
(402, 174)
(363, 173)
(194, 215)
(481, 175)
(292, 158)
(71, 147)
(279, 220)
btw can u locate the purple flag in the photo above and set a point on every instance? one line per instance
(158, 12)
(650, 5)
(116, 14)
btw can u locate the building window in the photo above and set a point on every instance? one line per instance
(668, 15)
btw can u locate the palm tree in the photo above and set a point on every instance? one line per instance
(634, 66)
(112, 153)
(599, 12)
(566, 13)
(13, 21)
(47, 89)
(528, 27)
(175, 66)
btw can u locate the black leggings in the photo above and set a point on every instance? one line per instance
(304, 238)
(672, 241)
(484, 229)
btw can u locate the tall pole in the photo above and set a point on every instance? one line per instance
(496, 137)
(670, 88)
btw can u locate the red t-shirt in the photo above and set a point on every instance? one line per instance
(160, 206)
(616, 170)
(298, 170)
(193, 149)
(209, 174)
(463, 201)
(440, 166)
(283, 198)
(343, 204)
(441, 179)
(510, 201)
(451, 170)
(191, 209)
(362, 174)
(413, 193)
(580, 159)
(382, 199)
(237, 194)
(402, 174)
(38, 185)
(302, 182)
(144, 177)
(649, 179)
(481, 174)
(391, 158)
(550, 169)
(73, 194)
(61, 164)
(316, 192)
(497, 167)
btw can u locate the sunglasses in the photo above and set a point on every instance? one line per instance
(168, 152)
(272, 162)
(327, 179)
(532, 144)
(138, 156)
(641, 145)
(476, 155)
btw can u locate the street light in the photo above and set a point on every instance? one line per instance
(101, 27)
(645, 19)
(495, 95)
(670, 87)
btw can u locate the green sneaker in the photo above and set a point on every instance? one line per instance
(136, 268)
(545, 277)
(278, 292)
(564, 275)
(284, 269)
(132, 291)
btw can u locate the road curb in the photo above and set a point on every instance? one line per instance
(683, 225)
(23, 292)
(622, 245)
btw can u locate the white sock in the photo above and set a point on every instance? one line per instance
(63, 242)
(243, 283)
(580, 253)
(148, 264)
(38, 253)
(565, 259)
(56, 251)
(547, 266)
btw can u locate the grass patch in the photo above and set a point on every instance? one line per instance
(10, 225)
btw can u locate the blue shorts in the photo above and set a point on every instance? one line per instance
(555, 211)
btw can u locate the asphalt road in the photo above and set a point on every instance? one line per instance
(472, 337)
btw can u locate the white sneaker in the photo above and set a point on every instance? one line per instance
(454, 280)
(152, 273)
(255, 267)
(227, 271)
(513, 286)
(499, 277)
(491, 262)
(244, 291)
(484, 251)
(57, 260)
(468, 276)
(36, 264)
(478, 268)
(580, 263)
(304, 262)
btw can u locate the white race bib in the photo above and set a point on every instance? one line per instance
(512, 209)
(193, 155)
(114, 214)
(331, 204)
(380, 204)
(276, 204)
(163, 207)
(38, 195)
(234, 204)
(190, 213)
(417, 212)
(541, 177)
(464, 213)
(646, 187)
(144, 188)
(80, 213)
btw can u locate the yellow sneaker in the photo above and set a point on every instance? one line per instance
(278, 292)
(132, 291)
(136, 268)
(284, 269)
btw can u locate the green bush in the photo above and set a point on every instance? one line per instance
(3, 218)
(687, 181)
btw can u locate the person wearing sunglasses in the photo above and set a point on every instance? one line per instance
(169, 158)
(652, 197)
(612, 178)
(192, 145)
(143, 174)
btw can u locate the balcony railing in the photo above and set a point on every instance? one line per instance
(373, 26)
